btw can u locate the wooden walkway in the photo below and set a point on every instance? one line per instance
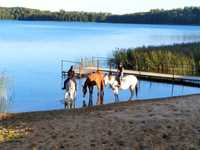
(82, 68)
(179, 79)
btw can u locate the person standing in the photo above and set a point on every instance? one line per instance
(71, 75)
(120, 73)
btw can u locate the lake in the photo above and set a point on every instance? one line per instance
(31, 53)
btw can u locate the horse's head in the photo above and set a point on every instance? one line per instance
(84, 89)
(106, 79)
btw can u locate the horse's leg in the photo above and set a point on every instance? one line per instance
(98, 96)
(98, 93)
(116, 93)
(69, 101)
(115, 97)
(101, 97)
(73, 103)
(84, 103)
(74, 99)
(65, 102)
(131, 91)
(69, 105)
(102, 92)
(90, 96)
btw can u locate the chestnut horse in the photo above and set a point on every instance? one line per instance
(94, 79)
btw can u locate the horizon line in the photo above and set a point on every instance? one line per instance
(101, 11)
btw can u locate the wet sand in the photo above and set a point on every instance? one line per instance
(161, 124)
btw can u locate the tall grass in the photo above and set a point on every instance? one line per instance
(4, 97)
(183, 59)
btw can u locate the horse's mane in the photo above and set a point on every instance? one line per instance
(86, 83)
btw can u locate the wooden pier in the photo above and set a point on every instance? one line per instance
(82, 70)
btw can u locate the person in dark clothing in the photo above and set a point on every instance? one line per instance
(71, 75)
(120, 73)
(70, 72)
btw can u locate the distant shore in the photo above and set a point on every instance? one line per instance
(169, 123)
(179, 16)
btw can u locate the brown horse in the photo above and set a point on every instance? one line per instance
(94, 79)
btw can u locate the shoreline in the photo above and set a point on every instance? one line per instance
(169, 123)
(72, 22)
(104, 107)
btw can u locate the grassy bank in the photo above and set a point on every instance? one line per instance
(177, 59)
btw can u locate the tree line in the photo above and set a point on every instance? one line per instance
(187, 15)
(20, 13)
(181, 59)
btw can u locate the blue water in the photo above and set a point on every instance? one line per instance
(31, 53)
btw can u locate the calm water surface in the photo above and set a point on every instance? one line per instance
(31, 54)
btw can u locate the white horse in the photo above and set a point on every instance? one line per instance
(129, 81)
(70, 94)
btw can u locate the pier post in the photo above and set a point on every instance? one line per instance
(81, 68)
(173, 71)
(97, 64)
(62, 69)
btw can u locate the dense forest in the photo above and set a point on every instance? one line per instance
(19, 13)
(175, 59)
(188, 15)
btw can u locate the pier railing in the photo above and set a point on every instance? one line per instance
(86, 65)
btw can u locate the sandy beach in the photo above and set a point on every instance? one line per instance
(161, 124)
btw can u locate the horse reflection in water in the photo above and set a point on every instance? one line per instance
(94, 79)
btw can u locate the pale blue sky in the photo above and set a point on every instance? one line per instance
(113, 6)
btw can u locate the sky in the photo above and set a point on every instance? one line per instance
(112, 6)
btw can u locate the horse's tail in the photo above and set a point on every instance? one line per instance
(136, 89)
